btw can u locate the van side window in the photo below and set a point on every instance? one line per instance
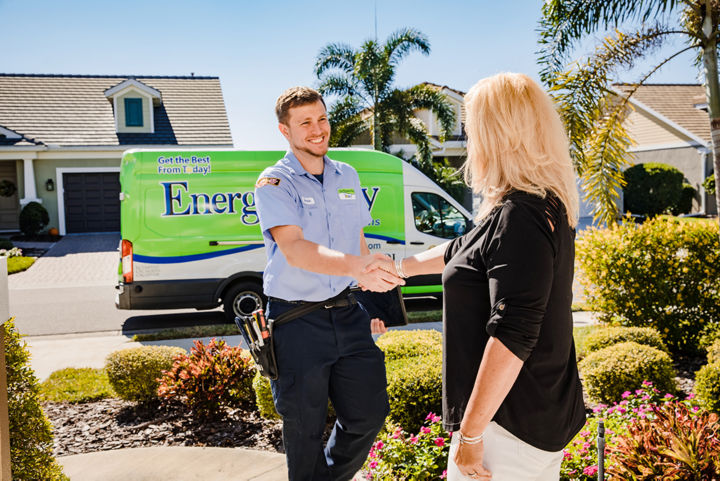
(436, 216)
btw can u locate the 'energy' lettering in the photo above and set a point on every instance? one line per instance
(178, 201)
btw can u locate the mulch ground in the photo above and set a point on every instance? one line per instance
(116, 424)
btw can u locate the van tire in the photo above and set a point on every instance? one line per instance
(242, 299)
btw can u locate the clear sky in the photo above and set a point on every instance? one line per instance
(259, 48)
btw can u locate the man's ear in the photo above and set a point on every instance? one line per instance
(284, 130)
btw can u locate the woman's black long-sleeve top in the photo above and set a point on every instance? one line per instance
(511, 278)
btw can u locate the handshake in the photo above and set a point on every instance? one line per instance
(376, 272)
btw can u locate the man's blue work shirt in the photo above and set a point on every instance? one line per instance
(332, 214)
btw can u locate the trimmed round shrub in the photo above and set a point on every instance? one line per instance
(5, 244)
(609, 372)
(604, 337)
(684, 205)
(709, 184)
(714, 352)
(263, 397)
(707, 386)
(134, 373)
(663, 274)
(652, 189)
(210, 379)
(31, 437)
(402, 344)
(33, 218)
(414, 389)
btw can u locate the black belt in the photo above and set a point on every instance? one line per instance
(344, 299)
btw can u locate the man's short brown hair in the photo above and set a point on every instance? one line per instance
(295, 97)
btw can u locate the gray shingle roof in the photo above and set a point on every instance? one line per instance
(72, 110)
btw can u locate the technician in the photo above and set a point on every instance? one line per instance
(312, 215)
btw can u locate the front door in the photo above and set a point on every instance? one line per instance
(9, 206)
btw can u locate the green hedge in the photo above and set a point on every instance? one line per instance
(33, 218)
(707, 386)
(655, 188)
(134, 373)
(609, 372)
(607, 336)
(263, 397)
(31, 438)
(76, 385)
(662, 274)
(401, 344)
(414, 390)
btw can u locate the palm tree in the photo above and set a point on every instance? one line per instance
(369, 103)
(592, 111)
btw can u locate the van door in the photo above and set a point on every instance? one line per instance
(436, 218)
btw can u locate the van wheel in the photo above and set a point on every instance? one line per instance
(242, 299)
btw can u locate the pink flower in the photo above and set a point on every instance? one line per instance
(379, 445)
(622, 410)
(440, 441)
(590, 471)
(373, 464)
(669, 396)
(567, 455)
(444, 474)
(424, 430)
(696, 408)
(436, 419)
(647, 383)
(638, 391)
(586, 445)
(413, 439)
(691, 395)
(396, 434)
(429, 416)
(450, 434)
(584, 433)
(626, 394)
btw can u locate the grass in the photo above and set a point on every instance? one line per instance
(580, 306)
(76, 385)
(19, 264)
(192, 332)
(579, 334)
(424, 316)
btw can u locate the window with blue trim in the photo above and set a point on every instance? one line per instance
(133, 112)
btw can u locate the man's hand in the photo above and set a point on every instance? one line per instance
(469, 458)
(375, 278)
(377, 326)
(382, 262)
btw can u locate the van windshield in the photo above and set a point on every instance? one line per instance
(436, 216)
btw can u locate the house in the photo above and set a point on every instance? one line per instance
(670, 125)
(62, 138)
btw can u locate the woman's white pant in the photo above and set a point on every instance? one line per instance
(510, 459)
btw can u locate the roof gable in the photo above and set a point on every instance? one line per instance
(73, 110)
(676, 106)
(129, 84)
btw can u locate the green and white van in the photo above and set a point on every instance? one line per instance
(191, 236)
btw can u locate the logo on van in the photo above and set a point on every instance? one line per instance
(184, 165)
(178, 201)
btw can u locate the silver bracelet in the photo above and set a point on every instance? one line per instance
(399, 269)
(467, 440)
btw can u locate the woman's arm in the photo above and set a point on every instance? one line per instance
(432, 261)
(498, 371)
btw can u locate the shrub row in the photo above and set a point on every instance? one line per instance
(662, 274)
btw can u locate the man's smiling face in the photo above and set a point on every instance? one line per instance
(308, 129)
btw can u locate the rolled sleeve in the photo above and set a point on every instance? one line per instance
(276, 203)
(520, 260)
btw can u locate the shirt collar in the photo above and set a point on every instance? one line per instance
(292, 162)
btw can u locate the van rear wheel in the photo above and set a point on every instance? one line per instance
(242, 299)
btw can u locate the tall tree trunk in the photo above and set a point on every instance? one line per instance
(712, 92)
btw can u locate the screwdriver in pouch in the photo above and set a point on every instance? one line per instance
(256, 327)
(248, 332)
(243, 331)
(263, 324)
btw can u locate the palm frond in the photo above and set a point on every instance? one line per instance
(337, 85)
(335, 56)
(404, 41)
(426, 97)
(352, 128)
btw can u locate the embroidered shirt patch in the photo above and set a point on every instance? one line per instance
(308, 200)
(346, 194)
(267, 181)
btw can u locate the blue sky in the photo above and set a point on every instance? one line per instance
(260, 48)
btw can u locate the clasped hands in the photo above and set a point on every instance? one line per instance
(376, 272)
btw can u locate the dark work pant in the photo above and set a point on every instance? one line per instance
(328, 353)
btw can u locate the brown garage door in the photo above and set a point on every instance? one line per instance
(92, 202)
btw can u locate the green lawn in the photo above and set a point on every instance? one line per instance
(76, 385)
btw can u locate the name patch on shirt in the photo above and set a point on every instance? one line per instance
(346, 194)
(308, 200)
(267, 181)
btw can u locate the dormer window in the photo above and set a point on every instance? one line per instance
(133, 112)
(133, 103)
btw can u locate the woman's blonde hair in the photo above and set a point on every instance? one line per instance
(516, 140)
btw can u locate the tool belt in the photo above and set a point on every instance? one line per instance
(258, 333)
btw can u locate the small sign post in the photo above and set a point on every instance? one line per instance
(5, 471)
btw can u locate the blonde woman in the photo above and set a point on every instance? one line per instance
(511, 391)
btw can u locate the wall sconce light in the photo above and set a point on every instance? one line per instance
(50, 185)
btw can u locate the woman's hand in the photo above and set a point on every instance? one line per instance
(469, 458)
(377, 326)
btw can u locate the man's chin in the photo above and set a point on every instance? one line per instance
(317, 151)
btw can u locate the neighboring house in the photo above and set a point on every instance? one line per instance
(62, 138)
(670, 125)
